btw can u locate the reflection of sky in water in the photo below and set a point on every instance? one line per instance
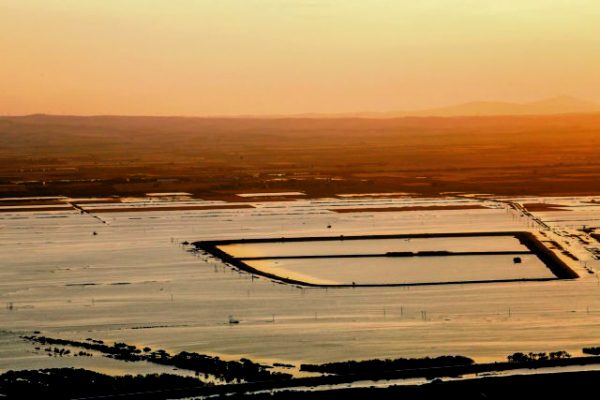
(373, 246)
(178, 301)
(405, 269)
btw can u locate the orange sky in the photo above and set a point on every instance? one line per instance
(209, 57)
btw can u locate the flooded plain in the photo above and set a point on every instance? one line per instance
(373, 246)
(126, 276)
(405, 270)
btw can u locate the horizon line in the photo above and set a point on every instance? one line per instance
(363, 114)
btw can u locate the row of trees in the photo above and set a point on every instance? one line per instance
(533, 357)
(595, 351)
(230, 371)
(367, 366)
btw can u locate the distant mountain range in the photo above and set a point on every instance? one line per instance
(549, 106)
(553, 105)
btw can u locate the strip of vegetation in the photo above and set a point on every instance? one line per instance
(230, 371)
(69, 383)
(595, 351)
(354, 367)
(521, 358)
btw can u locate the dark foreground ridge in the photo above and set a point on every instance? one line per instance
(565, 385)
(558, 267)
(70, 383)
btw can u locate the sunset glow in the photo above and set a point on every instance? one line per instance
(229, 57)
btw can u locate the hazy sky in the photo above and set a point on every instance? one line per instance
(207, 57)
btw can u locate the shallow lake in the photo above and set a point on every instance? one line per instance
(373, 246)
(390, 270)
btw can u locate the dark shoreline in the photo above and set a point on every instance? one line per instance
(13, 385)
(564, 385)
(257, 382)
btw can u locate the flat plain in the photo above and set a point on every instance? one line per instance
(125, 276)
(216, 158)
(98, 214)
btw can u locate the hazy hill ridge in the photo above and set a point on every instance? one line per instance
(548, 106)
(553, 105)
